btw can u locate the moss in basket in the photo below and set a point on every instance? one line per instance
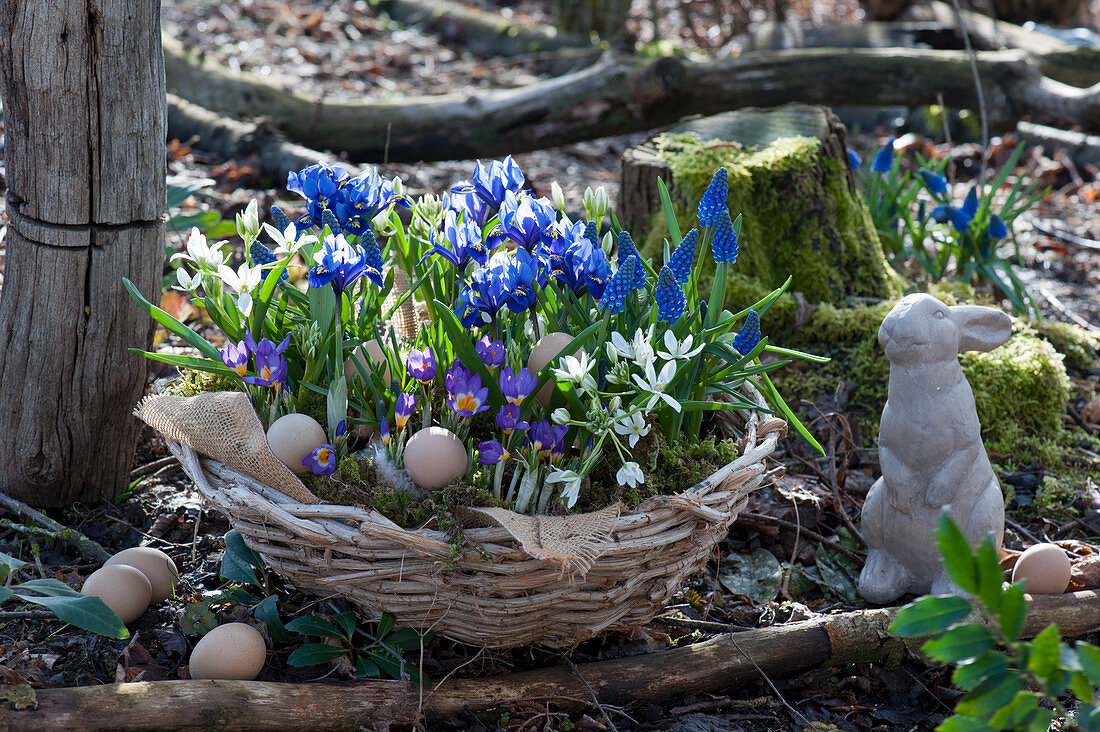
(193, 383)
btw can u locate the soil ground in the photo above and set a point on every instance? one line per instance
(349, 49)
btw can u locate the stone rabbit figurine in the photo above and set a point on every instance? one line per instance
(930, 447)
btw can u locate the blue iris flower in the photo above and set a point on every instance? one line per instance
(936, 183)
(854, 160)
(683, 258)
(621, 285)
(508, 280)
(341, 265)
(465, 242)
(749, 336)
(714, 201)
(462, 200)
(526, 220)
(724, 246)
(491, 182)
(358, 200)
(577, 261)
(884, 159)
(317, 184)
(671, 302)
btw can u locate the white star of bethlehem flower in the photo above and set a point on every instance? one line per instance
(655, 385)
(575, 371)
(630, 474)
(678, 349)
(287, 242)
(244, 280)
(632, 426)
(206, 257)
(186, 282)
(571, 489)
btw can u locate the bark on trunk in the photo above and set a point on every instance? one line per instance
(720, 663)
(624, 94)
(84, 121)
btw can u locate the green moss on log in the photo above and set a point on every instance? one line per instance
(800, 217)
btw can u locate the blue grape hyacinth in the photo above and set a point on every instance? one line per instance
(884, 159)
(683, 258)
(669, 296)
(724, 245)
(749, 336)
(713, 203)
(620, 285)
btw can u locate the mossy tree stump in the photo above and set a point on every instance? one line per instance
(789, 178)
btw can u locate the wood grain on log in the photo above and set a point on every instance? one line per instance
(85, 118)
(719, 663)
(625, 93)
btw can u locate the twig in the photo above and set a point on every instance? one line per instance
(27, 615)
(152, 467)
(577, 673)
(87, 548)
(1064, 310)
(1021, 530)
(146, 535)
(813, 535)
(795, 712)
(982, 111)
(705, 626)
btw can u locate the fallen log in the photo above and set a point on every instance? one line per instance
(719, 663)
(621, 93)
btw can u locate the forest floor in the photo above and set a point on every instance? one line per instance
(348, 49)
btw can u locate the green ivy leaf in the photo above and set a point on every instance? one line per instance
(1013, 612)
(958, 557)
(968, 675)
(238, 560)
(928, 615)
(1044, 652)
(990, 695)
(960, 643)
(313, 625)
(312, 654)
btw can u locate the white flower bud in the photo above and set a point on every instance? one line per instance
(560, 415)
(557, 195)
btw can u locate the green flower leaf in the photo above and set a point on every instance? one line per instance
(267, 610)
(928, 615)
(1014, 714)
(960, 643)
(990, 576)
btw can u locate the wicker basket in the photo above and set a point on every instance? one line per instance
(499, 595)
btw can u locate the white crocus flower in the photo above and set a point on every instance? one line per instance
(186, 281)
(630, 474)
(287, 242)
(206, 257)
(245, 280)
(575, 371)
(677, 349)
(632, 426)
(571, 488)
(655, 385)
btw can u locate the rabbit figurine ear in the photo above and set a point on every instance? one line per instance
(980, 328)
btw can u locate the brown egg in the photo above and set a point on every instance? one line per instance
(123, 588)
(434, 457)
(369, 355)
(1044, 570)
(543, 353)
(157, 567)
(292, 437)
(234, 651)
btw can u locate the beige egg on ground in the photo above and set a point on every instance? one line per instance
(369, 355)
(234, 651)
(434, 457)
(1044, 569)
(543, 353)
(157, 567)
(292, 437)
(123, 588)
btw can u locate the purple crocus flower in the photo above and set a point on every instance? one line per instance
(508, 419)
(547, 439)
(403, 410)
(421, 365)
(384, 431)
(465, 394)
(271, 366)
(322, 460)
(516, 387)
(236, 357)
(491, 452)
(491, 352)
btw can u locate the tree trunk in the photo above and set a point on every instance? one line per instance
(84, 121)
(621, 94)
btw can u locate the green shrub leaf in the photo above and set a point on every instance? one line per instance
(964, 724)
(960, 643)
(928, 615)
(958, 557)
(990, 695)
(1044, 652)
(1013, 612)
(990, 576)
(1089, 657)
(1014, 714)
(968, 675)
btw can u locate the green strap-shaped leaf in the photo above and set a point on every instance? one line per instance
(83, 611)
(171, 323)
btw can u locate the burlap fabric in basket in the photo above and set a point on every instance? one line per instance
(520, 580)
